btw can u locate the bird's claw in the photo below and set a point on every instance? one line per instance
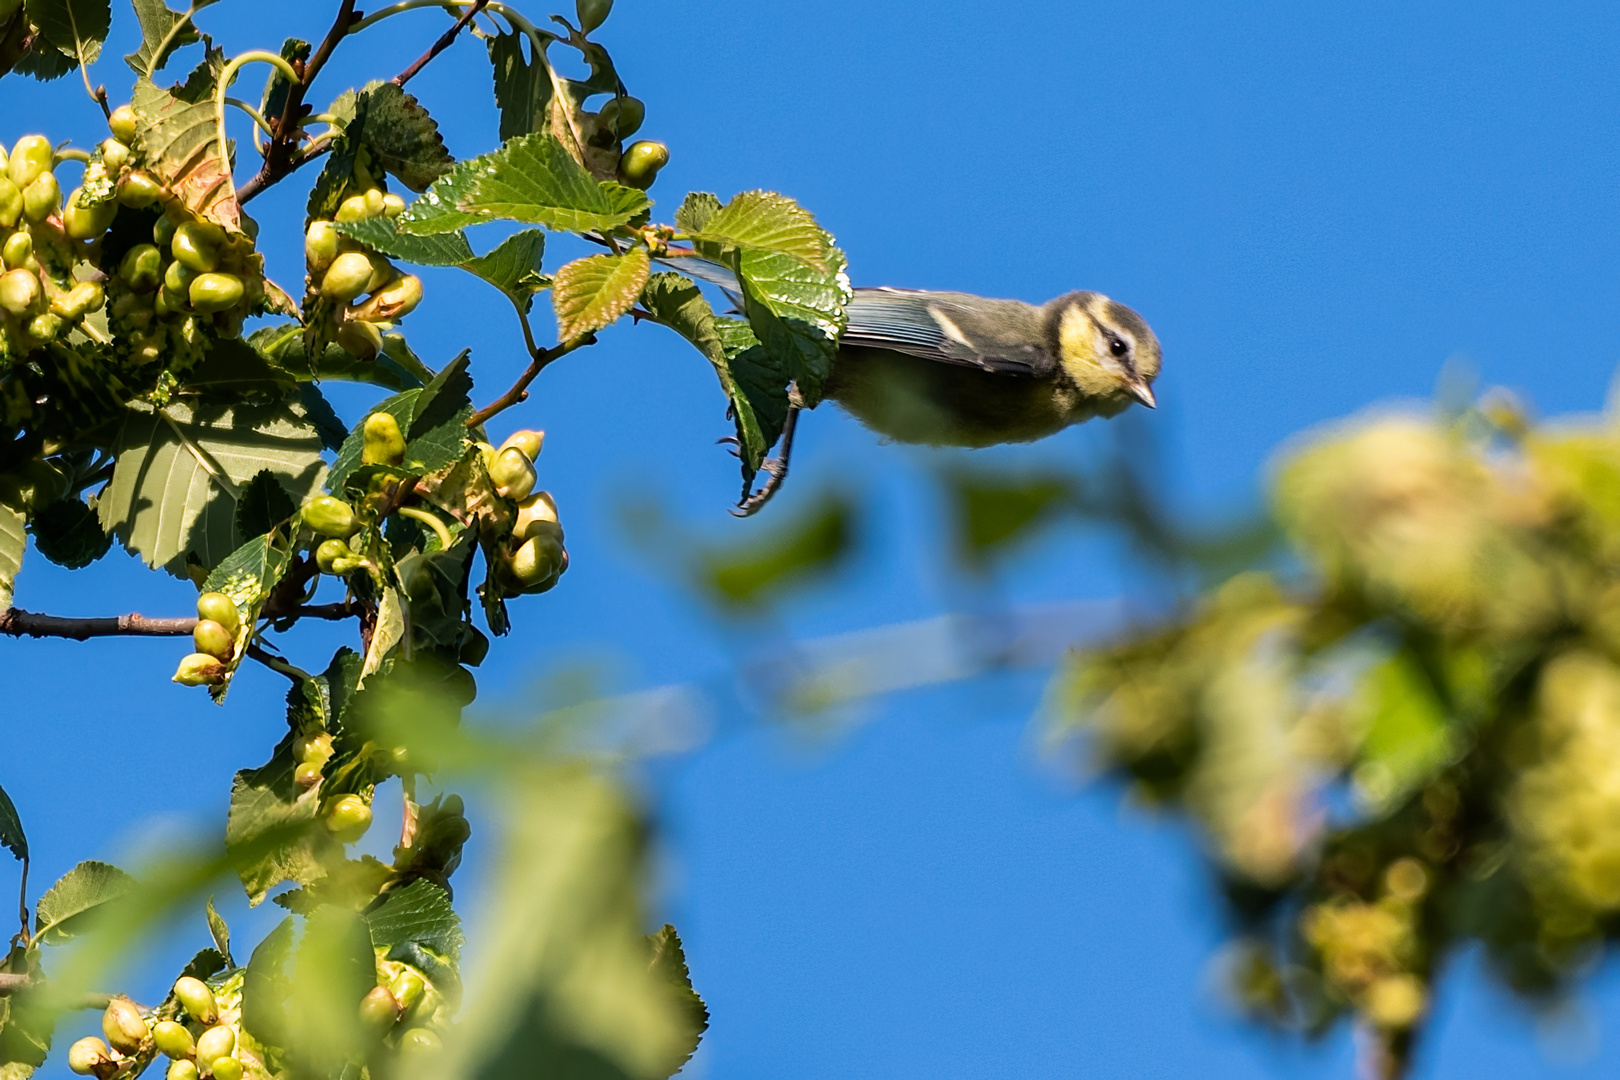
(753, 502)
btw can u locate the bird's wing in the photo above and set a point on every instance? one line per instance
(944, 327)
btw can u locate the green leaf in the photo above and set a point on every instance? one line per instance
(593, 292)
(272, 833)
(263, 506)
(433, 418)
(758, 394)
(219, 932)
(513, 267)
(234, 369)
(380, 234)
(418, 914)
(696, 211)
(990, 511)
(13, 541)
(522, 86)
(179, 472)
(75, 27)
(797, 312)
(531, 179)
(283, 346)
(11, 830)
(27, 1017)
(181, 147)
(61, 912)
(759, 221)
(277, 86)
(812, 545)
(403, 138)
(668, 964)
(265, 986)
(206, 963)
(158, 21)
(68, 533)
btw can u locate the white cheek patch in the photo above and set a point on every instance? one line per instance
(948, 328)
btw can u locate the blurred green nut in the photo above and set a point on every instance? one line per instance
(183, 1069)
(142, 267)
(139, 190)
(88, 1056)
(113, 154)
(215, 292)
(173, 1039)
(199, 669)
(378, 1009)
(592, 13)
(217, 1042)
(327, 515)
(30, 159)
(19, 291)
(197, 244)
(347, 277)
(329, 552)
(226, 1068)
(347, 820)
(622, 116)
(122, 124)
(212, 638)
(530, 442)
(42, 197)
(83, 222)
(513, 474)
(79, 301)
(320, 244)
(407, 988)
(384, 443)
(122, 1024)
(639, 164)
(307, 774)
(360, 339)
(18, 249)
(420, 1041)
(221, 609)
(11, 203)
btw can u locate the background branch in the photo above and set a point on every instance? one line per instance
(20, 623)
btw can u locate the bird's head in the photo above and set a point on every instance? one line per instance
(1105, 347)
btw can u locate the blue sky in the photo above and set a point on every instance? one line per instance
(1315, 207)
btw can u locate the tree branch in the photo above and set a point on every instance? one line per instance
(11, 983)
(20, 623)
(442, 44)
(520, 389)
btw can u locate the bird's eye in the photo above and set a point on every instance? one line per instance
(1117, 347)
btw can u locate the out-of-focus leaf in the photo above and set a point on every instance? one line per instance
(62, 912)
(813, 544)
(513, 267)
(990, 511)
(1407, 737)
(75, 27)
(265, 986)
(379, 234)
(272, 833)
(334, 968)
(592, 292)
(11, 830)
(68, 533)
(26, 1019)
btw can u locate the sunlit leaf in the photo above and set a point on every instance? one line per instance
(379, 234)
(592, 292)
(61, 912)
(13, 542)
(181, 147)
(759, 221)
(513, 267)
(11, 830)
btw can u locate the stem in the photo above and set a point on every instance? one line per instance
(163, 46)
(275, 663)
(259, 122)
(519, 391)
(225, 79)
(430, 520)
(442, 44)
(22, 902)
(19, 623)
(68, 153)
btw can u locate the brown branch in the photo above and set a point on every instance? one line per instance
(344, 609)
(519, 391)
(20, 623)
(442, 44)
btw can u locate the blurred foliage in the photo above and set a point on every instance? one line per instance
(1404, 741)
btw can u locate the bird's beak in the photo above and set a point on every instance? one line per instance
(1140, 391)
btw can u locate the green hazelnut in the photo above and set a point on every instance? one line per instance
(11, 203)
(347, 277)
(173, 1039)
(384, 443)
(393, 205)
(199, 669)
(513, 474)
(212, 638)
(348, 819)
(393, 301)
(122, 124)
(314, 746)
(639, 164)
(214, 292)
(226, 1068)
(18, 249)
(139, 190)
(31, 158)
(19, 291)
(592, 13)
(217, 1042)
(307, 774)
(177, 276)
(113, 154)
(46, 327)
(376, 201)
(142, 267)
(360, 339)
(192, 993)
(197, 244)
(527, 441)
(163, 231)
(407, 988)
(536, 516)
(353, 208)
(79, 301)
(123, 1026)
(328, 553)
(183, 1069)
(378, 1009)
(420, 1041)
(42, 197)
(327, 515)
(538, 561)
(83, 222)
(88, 1056)
(320, 244)
(382, 271)
(221, 609)
(622, 116)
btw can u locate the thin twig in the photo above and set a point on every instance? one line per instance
(19, 623)
(520, 389)
(13, 983)
(275, 663)
(343, 609)
(442, 44)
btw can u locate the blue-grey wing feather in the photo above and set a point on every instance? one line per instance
(949, 327)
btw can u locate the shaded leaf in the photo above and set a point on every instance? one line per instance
(11, 830)
(68, 533)
(513, 267)
(593, 292)
(403, 138)
(60, 913)
(263, 506)
(522, 86)
(206, 963)
(75, 27)
(265, 986)
(284, 346)
(234, 369)
(41, 61)
(379, 234)
(272, 833)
